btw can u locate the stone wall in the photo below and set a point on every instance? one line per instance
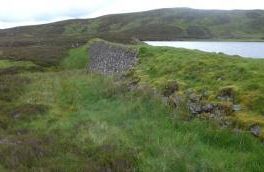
(108, 58)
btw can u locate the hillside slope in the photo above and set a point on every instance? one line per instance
(48, 43)
(70, 120)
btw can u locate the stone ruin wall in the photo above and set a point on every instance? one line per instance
(108, 58)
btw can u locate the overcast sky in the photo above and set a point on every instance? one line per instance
(27, 12)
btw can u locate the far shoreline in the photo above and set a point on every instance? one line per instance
(208, 40)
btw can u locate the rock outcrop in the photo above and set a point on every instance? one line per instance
(108, 58)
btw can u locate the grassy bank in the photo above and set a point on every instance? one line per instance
(209, 75)
(73, 121)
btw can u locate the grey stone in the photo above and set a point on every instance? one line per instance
(195, 108)
(8, 142)
(236, 108)
(255, 130)
(208, 108)
(194, 98)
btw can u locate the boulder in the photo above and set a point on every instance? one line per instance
(255, 130)
(236, 108)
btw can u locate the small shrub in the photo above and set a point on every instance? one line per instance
(170, 88)
(227, 93)
(225, 108)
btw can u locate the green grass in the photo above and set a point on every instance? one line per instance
(77, 58)
(8, 63)
(73, 121)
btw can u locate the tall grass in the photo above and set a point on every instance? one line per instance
(94, 124)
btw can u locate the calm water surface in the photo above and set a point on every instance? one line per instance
(244, 49)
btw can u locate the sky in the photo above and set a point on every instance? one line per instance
(30, 12)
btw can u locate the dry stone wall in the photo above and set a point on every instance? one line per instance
(108, 58)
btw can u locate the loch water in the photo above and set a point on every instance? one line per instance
(243, 49)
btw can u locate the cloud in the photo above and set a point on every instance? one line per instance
(24, 12)
(140, 5)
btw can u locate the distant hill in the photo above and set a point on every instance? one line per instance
(48, 43)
